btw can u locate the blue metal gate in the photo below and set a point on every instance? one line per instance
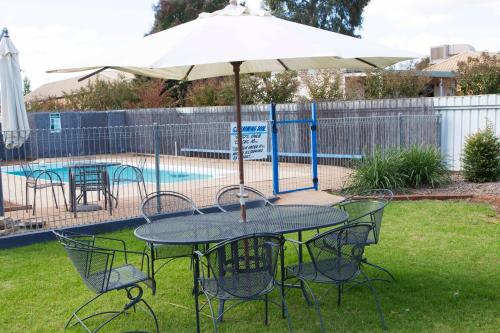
(311, 156)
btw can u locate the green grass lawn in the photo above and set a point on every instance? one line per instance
(445, 256)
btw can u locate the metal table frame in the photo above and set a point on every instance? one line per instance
(106, 186)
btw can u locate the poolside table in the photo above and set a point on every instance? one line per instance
(216, 227)
(100, 170)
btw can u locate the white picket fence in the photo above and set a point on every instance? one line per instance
(462, 116)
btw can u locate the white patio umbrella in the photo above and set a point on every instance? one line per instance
(15, 125)
(238, 40)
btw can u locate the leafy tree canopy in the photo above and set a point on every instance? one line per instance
(479, 75)
(169, 13)
(344, 16)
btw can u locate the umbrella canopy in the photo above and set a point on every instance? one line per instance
(205, 48)
(15, 125)
(239, 39)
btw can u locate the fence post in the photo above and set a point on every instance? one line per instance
(400, 122)
(314, 144)
(438, 130)
(2, 211)
(157, 156)
(274, 148)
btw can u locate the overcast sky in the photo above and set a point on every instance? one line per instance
(58, 33)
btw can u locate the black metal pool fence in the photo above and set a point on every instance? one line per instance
(193, 158)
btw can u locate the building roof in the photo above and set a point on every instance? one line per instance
(57, 89)
(451, 64)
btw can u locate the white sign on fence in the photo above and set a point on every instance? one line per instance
(254, 140)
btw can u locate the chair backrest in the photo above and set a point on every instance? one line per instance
(94, 264)
(141, 164)
(157, 204)
(88, 176)
(27, 170)
(337, 253)
(228, 198)
(368, 207)
(366, 211)
(243, 267)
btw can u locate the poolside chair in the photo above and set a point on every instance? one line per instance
(368, 207)
(97, 264)
(242, 269)
(228, 198)
(127, 173)
(156, 206)
(38, 179)
(335, 258)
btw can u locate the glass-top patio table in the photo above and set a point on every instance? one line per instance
(217, 227)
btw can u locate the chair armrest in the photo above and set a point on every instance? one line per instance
(143, 255)
(294, 241)
(123, 248)
(198, 254)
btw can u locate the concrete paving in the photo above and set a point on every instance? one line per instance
(202, 190)
(309, 197)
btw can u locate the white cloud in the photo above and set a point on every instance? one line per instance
(418, 25)
(44, 47)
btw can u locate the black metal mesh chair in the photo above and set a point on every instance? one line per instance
(241, 269)
(368, 207)
(125, 174)
(335, 258)
(38, 179)
(228, 198)
(98, 268)
(157, 205)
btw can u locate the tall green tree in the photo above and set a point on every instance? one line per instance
(343, 16)
(169, 13)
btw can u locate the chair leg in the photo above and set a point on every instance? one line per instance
(380, 269)
(220, 317)
(215, 319)
(54, 196)
(266, 310)
(340, 290)
(117, 193)
(144, 187)
(27, 197)
(377, 301)
(64, 198)
(74, 315)
(316, 306)
(152, 314)
(285, 311)
(34, 200)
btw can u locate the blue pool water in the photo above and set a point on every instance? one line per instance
(166, 176)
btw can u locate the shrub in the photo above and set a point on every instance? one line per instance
(424, 166)
(481, 156)
(381, 170)
(398, 170)
(323, 85)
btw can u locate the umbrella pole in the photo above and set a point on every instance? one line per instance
(236, 70)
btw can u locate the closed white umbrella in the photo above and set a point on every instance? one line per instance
(15, 125)
(238, 40)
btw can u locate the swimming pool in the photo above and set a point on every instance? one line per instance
(166, 175)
